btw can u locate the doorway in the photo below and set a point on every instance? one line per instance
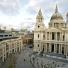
(52, 48)
(63, 50)
(43, 48)
(57, 48)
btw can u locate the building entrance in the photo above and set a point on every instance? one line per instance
(52, 48)
(43, 49)
(57, 48)
(62, 50)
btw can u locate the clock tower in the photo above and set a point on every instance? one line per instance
(39, 32)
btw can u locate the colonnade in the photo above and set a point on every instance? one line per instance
(60, 37)
(56, 48)
(10, 46)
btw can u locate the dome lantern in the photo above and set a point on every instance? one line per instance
(67, 17)
(56, 10)
(56, 15)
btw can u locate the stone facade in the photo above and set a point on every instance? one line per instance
(10, 46)
(53, 39)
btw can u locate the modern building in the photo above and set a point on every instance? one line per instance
(8, 34)
(53, 39)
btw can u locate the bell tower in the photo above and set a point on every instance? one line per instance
(39, 17)
(39, 22)
(39, 32)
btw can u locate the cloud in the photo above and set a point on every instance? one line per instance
(9, 6)
(17, 12)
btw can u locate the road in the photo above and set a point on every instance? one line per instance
(23, 60)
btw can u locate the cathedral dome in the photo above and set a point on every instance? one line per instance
(56, 15)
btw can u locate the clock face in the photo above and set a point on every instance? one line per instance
(38, 26)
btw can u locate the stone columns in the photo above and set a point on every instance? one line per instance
(19, 45)
(61, 36)
(3, 57)
(65, 49)
(14, 47)
(54, 48)
(59, 48)
(46, 47)
(50, 35)
(46, 36)
(49, 47)
(56, 36)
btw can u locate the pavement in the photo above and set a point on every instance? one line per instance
(9, 62)
(23, 60)
(28, 59)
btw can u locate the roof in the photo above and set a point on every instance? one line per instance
(56, 15)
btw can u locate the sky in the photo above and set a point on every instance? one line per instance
(22, 13)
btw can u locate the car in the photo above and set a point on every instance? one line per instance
(30, 46)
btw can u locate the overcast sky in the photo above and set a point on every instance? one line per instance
(22, 13)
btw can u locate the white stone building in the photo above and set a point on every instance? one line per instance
(53, 39)
(10, 46)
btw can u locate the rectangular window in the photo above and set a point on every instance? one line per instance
(38, 45)
(53, 36)
(58, 36)
(47, 35)
(63, 37)
(47, 47)
(43, 37)
(38, 35)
